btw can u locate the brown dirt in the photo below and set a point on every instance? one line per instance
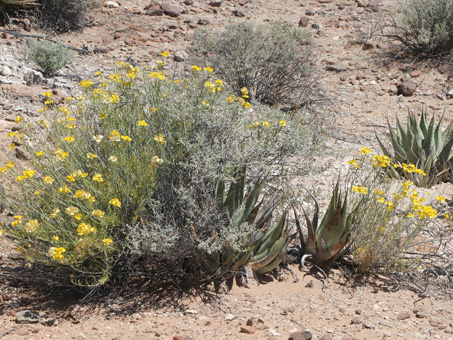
(349, 308)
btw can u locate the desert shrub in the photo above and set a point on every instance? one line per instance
(273, 61)
(425, 26)
(49, 56)
(390, 217)
(6, 5)
(64, 15)
(124, 176)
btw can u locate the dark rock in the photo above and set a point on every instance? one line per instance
(305, 335)
(311, 12)
(238, 13)
(407, 88)
(368, 45)
(216, 3)
(243, 2)
(181, 55)
(315, 26)
(203, 22)
(303, 22)
(170, 9)
(22, 155)
(157, 12)
(27, 316)
(188, 2)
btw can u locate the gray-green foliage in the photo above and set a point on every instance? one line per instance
(49, 56)
(273, 61)
(426, 26)
(424, 145)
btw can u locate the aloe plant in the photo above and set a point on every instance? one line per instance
(266, 249)
(328, 240)
(426, 146)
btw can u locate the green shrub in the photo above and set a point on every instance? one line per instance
(49, 56)
(125, 175)
(425, 26)
(64, 15)
(421, 145)
(273, 61)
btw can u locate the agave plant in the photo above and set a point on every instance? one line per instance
(329, 240)
(428, 147)
(266, 249)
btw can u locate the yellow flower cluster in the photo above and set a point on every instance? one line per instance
(85, 229)
(25, 174)
(56, 253)
(83, 195)
(31, 226)
(360, 190)
(381, 161)
(409, 168)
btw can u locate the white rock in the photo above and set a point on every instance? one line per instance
(112, 4)
(273, 332)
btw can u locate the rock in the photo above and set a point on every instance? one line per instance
(191, 311)
(238, 13)
(337, 68)
(368, 45)
(5, 70)
(311, 12)
(243, 2)
(273, 332)
(181, 55)
(230, 317)
(182, 337)
(170, 9)
(27, 316)
(117, 35)
(315, 26)
(326, 337)
(203, 22)
(188, 2)
(216, 3)
(445, 69)
(247, 329)
(450, 95)
(305, 335)
(33, 77)
(112, 4)
(407, 88)
(303, 22)
(22, 155)
(374, 5)
(415, 73)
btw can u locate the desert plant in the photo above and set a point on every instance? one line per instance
(49, 56)
(425, 27)
(428, 147)
(128, 175)
(6, 4)
(273, 61)
(64, 15)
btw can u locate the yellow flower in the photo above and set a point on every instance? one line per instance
(381, 200)
(18, 119)
(56, 253)
(103, 115)
(70, 178)
(3, 168)
(160, 138)
(98, 178)
(47, 94)
(165, 54)
(78, 217)
(91, 155)
(354, 163)
(107, 241)
(390, 205)
(39, 153)
(142, 123)
(115, 136)
(378, 192)
(98, 213)
(196, 68)
(230, 99)
(86, 83)
(20, 178)
(115, 202)
(447, 216)
(113, 159)
(12, 146)
(360, 190)
(266, 124)
(98, 139)
(382, 161)
(55, 238)
(54, 213)
(114, 98)
(365, 151)
(37, 192)
(208, 69)
(70, 126)
(205, 102)
(245, 92)
(60, 155)
(31, 226)
(126, 138)
(410, 215)
(71, 211)
(440, 198)
(68, 139)
(64, 189)
(48, 180)
(98, 73)
(85, 229)
(282, 122)
(12, 134)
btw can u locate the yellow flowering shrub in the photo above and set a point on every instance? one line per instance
(132, 168)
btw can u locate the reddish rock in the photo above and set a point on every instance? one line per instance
(247, 329)
(407, 88)
(182, 337)
(117, 35)
(303, 22)
(415, 73)
(403, 316)
(305, 335)
(170, 9)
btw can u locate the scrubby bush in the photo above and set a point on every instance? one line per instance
(425, 26)
(49, 56)
(275, 62)
(124, 176)
(64, 15)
